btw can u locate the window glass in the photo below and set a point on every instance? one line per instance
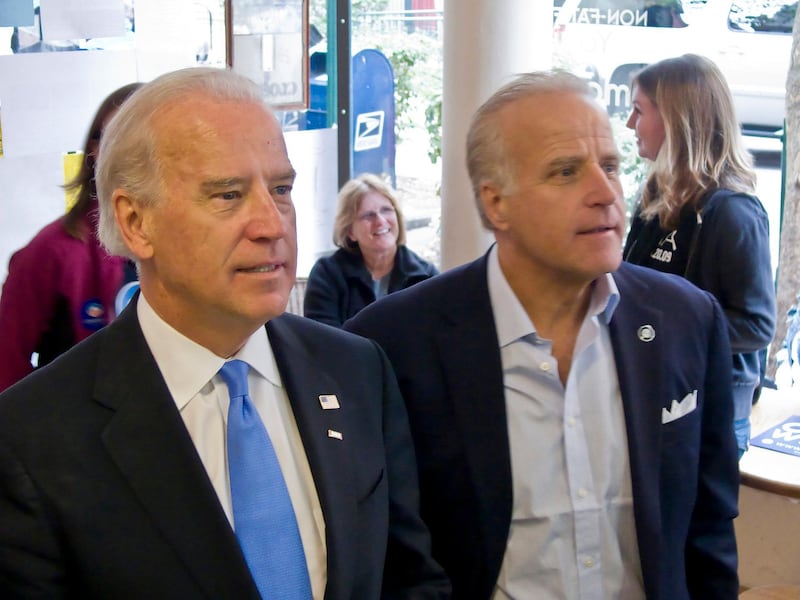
(401, 142)
(754, 16)
(624, 13)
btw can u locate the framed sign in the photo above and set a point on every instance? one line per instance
(267, 42)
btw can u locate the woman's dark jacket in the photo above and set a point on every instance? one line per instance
(340, 285)
(725, 252)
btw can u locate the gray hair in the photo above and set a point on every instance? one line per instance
(128, 157)
(487, 156)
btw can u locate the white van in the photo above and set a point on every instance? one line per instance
(607, 41)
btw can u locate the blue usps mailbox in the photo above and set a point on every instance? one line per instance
(372, 114)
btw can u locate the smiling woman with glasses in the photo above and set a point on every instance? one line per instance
(372, 259)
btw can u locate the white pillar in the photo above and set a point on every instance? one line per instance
(486, 43)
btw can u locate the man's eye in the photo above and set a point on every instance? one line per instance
(283, 190)
(229, 195)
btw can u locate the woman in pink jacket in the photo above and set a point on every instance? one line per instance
(61, 287)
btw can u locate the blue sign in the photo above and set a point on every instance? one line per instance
(784, 437)
(372, 114)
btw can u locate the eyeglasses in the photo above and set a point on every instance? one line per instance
(386, 212)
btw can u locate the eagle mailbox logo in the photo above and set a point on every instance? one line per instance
(369, 131)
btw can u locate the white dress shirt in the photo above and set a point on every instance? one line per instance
(199, 392)
(572, 532)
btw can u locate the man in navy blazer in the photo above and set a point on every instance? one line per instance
(114, 481)
(572, 416)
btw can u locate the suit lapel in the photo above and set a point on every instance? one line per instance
(474, 377)
(305, 378)
(149, 443)
(641, 383)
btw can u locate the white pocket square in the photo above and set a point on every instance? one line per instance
(679, 409)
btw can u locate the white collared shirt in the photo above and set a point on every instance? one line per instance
(191, 374)
(573, 533)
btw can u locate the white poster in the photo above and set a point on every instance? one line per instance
(81, 19)
(49, 98)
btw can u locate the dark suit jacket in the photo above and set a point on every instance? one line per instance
(102, 494)
(441, 338)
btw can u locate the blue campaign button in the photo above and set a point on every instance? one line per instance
(93, 314)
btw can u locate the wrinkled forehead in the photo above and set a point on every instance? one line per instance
(559, 119)
(201, 109)
(199, 121)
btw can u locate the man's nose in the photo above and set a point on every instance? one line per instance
(604, 188)
(265, 218)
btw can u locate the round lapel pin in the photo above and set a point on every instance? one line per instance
(647, 333)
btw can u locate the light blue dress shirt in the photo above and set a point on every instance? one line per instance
(572, 532)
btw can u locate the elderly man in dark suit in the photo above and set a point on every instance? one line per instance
(572, 417)
(123, 473)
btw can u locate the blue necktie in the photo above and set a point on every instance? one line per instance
(263, 516)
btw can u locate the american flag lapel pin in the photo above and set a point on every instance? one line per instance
(328, 401)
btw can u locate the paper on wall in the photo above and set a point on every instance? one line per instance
(49, 98)
(81, 19)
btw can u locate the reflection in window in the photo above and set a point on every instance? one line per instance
(198, 24)
(631, 13)
(762, 16)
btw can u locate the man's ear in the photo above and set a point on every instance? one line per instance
(495, 205)
(132, 223)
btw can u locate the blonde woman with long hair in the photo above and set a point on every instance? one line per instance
(698, 216)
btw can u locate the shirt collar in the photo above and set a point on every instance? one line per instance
(511, 320)
(605, 298)
(187, 366)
